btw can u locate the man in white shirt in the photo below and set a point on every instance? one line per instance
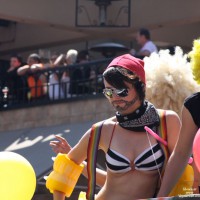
(144, 40)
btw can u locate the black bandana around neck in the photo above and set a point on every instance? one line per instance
(145, 115)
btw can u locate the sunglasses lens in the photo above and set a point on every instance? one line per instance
(108, 93)
(122, 93)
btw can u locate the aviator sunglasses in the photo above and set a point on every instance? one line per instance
(108, 92)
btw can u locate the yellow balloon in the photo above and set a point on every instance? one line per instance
(17, 177)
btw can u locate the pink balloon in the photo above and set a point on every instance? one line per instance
(196, 149)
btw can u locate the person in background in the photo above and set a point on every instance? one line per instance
(83, 57)
(60, 84)
(17, 85)
(143, 38)
(71, 76)
(36, 81)
(54, 90)
(88, 73)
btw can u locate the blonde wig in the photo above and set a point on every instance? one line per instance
(169, 79)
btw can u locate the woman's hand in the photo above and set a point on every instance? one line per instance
(60, 146)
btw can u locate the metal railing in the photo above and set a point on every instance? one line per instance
(83, 81)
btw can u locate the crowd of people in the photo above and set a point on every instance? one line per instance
(70, 82)
(27, 81)
(24, 81)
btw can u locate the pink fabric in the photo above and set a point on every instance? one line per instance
(157, 137)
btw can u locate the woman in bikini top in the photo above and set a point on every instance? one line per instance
(133, 157)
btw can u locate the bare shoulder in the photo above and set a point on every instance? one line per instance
(173, 121)
(173, 128)
(106, 132)
(113, 118)
(170, 115)
(107, 125)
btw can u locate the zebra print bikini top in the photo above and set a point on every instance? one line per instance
(150, 159)
(146, 161)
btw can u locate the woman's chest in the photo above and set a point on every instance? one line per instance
(131, 143)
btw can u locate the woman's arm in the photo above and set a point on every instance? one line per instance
(26, 68)
(23, 70)
(62, 146)
(173, 128)
(36, 67)
(76, 156)
(180, 155)
(58, 195)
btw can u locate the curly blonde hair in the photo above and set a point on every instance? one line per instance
(169, 79)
